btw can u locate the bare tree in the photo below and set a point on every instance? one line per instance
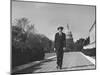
(22, 23)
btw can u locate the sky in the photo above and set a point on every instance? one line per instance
(48, 16)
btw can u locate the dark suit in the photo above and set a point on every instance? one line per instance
(60, 42)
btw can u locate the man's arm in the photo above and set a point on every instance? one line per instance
(64, 42)
(55, 42)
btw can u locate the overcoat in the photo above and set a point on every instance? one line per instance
(60, 41)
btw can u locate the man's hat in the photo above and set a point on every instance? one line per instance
(60, 28)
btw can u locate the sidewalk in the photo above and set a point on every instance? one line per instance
(92, 60)
(21, 67)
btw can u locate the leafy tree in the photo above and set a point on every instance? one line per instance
(27, 45)
(79, 44)
(87, 41)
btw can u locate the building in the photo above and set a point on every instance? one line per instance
(69, 40)
(90, 49)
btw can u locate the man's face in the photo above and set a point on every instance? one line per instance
(60, 30)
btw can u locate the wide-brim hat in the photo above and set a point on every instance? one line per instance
(60, 28)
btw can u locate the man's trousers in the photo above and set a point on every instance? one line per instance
(59, 53)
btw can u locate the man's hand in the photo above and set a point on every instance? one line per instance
(64, 48)
(54, 49)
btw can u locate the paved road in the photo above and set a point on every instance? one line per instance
(71, 61)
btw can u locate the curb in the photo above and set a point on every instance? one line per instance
(21, 67)
(89, 58)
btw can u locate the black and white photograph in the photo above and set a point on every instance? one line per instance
(52, 37)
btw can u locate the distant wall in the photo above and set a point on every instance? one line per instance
(90, 49)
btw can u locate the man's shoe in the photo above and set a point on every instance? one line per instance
(58, 67)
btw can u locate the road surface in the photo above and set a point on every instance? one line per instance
(71, 61)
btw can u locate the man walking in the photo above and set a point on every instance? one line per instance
(59, 46)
